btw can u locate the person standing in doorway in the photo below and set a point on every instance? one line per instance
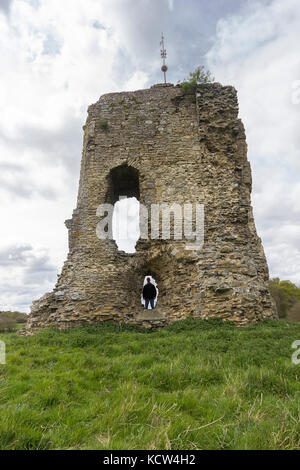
(149, 293)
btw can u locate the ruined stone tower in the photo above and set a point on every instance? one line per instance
(163, 147)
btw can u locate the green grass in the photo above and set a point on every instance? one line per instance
(193, 385)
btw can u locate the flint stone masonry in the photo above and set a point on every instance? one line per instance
(163, 147)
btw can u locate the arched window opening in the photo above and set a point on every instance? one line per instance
(124, 193)
(123, 181)
(154, 283)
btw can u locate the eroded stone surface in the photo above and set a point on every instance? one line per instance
(185, 149)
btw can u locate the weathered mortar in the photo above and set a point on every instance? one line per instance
(186, 149)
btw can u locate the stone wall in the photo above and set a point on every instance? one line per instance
(163, 147)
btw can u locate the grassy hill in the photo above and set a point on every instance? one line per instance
(193, 385)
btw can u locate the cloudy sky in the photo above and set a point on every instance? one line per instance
(57, 57)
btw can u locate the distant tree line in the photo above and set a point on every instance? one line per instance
(287, 298)
(9, 321)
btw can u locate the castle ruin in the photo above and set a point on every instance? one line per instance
(162, 146)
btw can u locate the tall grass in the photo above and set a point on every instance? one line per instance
(193, 385)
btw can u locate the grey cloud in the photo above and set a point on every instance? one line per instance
(51, 45)
(17, 182)
(122, 68)
(98, 25)
(62, 145)
(39, 270)
(16, 295)
(55, 147)
(24, 256)
(34, 276)
(189, 30)
(11, 167)
(14, 255)
(5, 6)
(25, 189)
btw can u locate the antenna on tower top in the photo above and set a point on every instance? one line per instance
(163, 54)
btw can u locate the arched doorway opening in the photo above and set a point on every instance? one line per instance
(124, 193)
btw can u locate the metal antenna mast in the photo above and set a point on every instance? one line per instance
(163, 54)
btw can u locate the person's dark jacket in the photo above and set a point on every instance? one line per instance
(149, 291)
